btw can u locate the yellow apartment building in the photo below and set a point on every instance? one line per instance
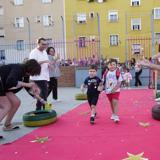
(113, 28)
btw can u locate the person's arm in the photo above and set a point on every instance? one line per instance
(149, 65)
(118, 85)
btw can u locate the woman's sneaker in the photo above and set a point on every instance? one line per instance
(91, 120)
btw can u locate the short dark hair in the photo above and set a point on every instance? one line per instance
(48, 49)
(112, 60)
(40, 39)
(32, 67)
(93, 67)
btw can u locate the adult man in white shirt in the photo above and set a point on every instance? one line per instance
(40, 54)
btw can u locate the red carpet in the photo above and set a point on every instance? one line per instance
(73, 138)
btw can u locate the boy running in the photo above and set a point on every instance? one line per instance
(94, 86)
(112, 81)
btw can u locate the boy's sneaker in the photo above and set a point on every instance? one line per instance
(112, 117)
(91, 120)
(116, 119)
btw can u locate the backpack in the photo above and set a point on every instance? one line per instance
(118, 73)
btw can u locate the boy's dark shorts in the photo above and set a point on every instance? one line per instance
(92, 99)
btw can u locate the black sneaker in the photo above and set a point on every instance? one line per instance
(91, 120)
(95, 115)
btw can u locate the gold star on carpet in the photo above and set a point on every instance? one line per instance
(144, 124)
(40, 140)
(135, 157)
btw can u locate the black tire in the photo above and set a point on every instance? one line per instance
(39, 118)
(156, 112)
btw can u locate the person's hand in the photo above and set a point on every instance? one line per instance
(143, 63)
(35, 89)
(82, 89)
(156, 56)
(100, 88)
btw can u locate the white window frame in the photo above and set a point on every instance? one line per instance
(135, 3)
(112, 13)
(47, 20)
(20, 45)
(38, 19)
(1, 11)
(91, 15)
(157, 16)
(113, 39)
(136, 24)
(136, 48)
(2, 32)
(100, 1)
(47, 1)
(81, 17)
(157, 37)
(19, 22)
(18, 2)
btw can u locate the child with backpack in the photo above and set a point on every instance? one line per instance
(94, 85)
(112, 81)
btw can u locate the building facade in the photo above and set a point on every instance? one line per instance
(124, 29)
(23, 21)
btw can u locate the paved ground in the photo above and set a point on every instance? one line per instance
(28, 104)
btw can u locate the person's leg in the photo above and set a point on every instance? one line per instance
(5, 106)
(44, 92)
(15, 103)
(136, 79)
(50, 86)
(115, 106)
(55, 90)
(94, 100)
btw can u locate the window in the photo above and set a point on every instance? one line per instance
(47, 20)
(2, 32)
(20, 44)
(19, 22)
(156, 13)
(157, 38)
(38, 19)
(136, 24)
(18, 2)
(81, 17)
(1, 11)
(82, 42)
(100, 1)
(2, 56)
(91, 15)
(46, 1)
(135, 2)
(114, 40)
(113, 16)
(136, 48)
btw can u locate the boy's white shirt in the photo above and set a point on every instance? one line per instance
(111, 81)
